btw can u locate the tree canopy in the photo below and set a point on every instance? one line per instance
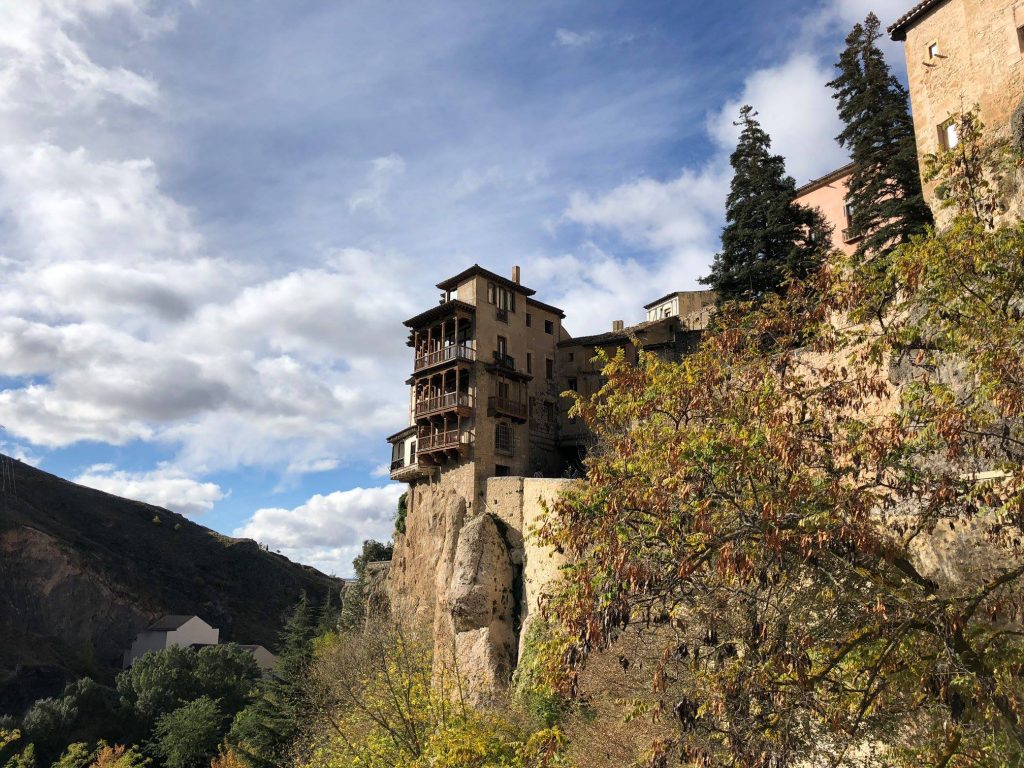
(767, 238)
(819, 518)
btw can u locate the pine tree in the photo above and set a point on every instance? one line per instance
(767, 237)
(885, 194)
(263, 733)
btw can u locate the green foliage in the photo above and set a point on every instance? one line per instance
(403, 510)
(531, 685)
(26, 758)
(262, 734)
(77, 755)
(119, 756)
(85, 711)
(188, 736)
(768, 238)
(758, 511)
(885, 186)
(159, 682)
(379, 706)
(373, 551)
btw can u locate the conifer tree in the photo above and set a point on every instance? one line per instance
(263, 733)
(885, 195)
(767, 236)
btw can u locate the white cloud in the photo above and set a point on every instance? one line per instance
(796, 109)
(383, 173)
(164, 487)
(572, 39)
(327, 531)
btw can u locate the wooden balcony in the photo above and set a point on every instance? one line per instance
(449, 354)
(461, 402)
(403, 472)
(503, 406)
(439, 441)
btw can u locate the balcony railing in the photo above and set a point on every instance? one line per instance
(505, 361)
(450, 439)
(397, 464)
(504, 405)
(446, 355)
(849, 236)
(443, 402)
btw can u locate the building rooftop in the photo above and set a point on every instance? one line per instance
(554, 310)
(453, 282)
(709, 294)
(828, 178)
(169, 623)
(440, 310)
(898, 30)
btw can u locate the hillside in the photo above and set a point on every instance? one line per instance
(82, 571)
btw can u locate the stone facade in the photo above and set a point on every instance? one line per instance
(962, 54)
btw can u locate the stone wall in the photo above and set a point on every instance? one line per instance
(979, 61)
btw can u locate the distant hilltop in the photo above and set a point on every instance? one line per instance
(82, 572)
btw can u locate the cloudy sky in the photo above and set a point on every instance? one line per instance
(215, 214)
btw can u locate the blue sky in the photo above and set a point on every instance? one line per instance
(214, 215)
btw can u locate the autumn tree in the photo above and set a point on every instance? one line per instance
(885, 195)
(819, 518)
(768, 238)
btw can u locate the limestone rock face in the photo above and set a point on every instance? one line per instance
(468, 567)
(482, 606)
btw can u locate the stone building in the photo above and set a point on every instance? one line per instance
(962, 54)
(487, 445)
(673, 327)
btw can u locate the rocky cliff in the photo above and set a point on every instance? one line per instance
(81, 572)
(468, 567)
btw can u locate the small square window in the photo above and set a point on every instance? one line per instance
(933, 50)
(549, 327)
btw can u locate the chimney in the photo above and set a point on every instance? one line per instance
(515, 274)
(617, 325)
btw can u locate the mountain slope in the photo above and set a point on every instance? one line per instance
(82, 571)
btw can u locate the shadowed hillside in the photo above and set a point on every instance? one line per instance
(82, 571)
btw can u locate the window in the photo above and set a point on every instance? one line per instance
(503, 390)
(572, 384)
(412, 451)
(549, 327)
(1020, 38)
(848, 213)
(948, 137)
(502, 346)
(529, 362)
(549, 368)
(500, 470)
(549, 412)
(529, 320)
(504, 439)
(502, 297)
(572, 356)
(933, 50)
